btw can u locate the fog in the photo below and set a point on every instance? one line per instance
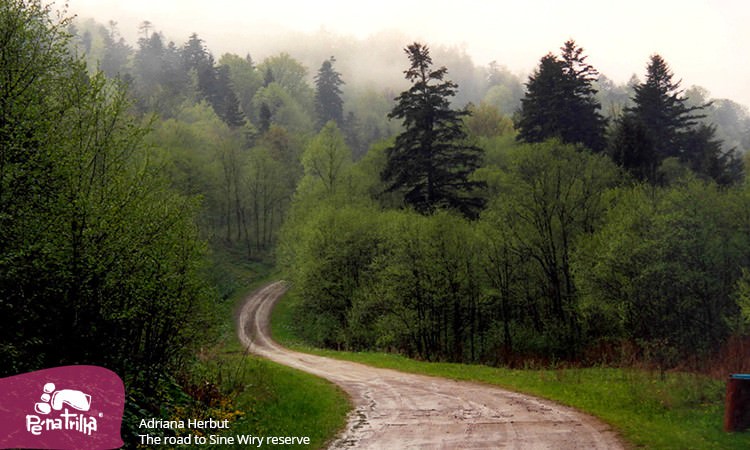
(704, 42)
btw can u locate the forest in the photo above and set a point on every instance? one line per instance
(448, 212)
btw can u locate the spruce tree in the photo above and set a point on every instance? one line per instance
(660, 106)
(582, 123)
(560, 101)
(225, 101)
(431, 162)
(662, 125)
(328, 102)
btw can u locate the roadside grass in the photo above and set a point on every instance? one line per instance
(648, 409)
(265, 398)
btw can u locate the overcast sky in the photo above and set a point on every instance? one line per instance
(707, 43)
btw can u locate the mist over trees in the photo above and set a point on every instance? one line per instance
(453, 215)
(279, 151)
(100, 259)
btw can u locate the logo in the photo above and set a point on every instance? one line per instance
(57, 400)
(71, 407)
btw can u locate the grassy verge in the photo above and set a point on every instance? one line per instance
(674, 411)
(267, 399)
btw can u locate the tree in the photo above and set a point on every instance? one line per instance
(660, 106)
(328, 102)
(486, 121)
(551, 195)
(431, 162)
(99, 259)
(116, 51)
(245, 79)
(631, 148)
(663, 124)
(560, 101)
(664, 267)
(326, 159)
(225, 101)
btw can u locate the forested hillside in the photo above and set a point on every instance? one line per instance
(448, 211)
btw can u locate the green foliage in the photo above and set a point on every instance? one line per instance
(665, 266)
(326, 161)
(326, 255)
(486, 121)
(422, 295)
(245, 79)
(282, 109)
(550, 196)
(97, 251)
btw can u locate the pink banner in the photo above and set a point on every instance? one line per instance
(71, 407)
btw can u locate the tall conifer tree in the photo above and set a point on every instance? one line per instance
(328, 103)
(560, 101)
(431, 162)
(661, 125)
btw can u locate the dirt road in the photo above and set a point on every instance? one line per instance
(395, 410)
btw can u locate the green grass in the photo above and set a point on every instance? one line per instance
(673, 411)
(273, 400)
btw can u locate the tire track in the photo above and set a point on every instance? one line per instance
(395, 410)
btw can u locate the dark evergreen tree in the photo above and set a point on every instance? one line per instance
(539, 117)
(328, 103)
(268, 77)
(200, 62)
(703, 153)
(265, 116)
(583, 123)
(560, 101)
(116, 52)
(662, 125)
(352, 132)
(161, 80)
(214, 84)
(225, 101)
(660, 106)
(194, 53)
(632, 149)
(431, 162)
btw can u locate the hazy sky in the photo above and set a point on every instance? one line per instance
(706, 43)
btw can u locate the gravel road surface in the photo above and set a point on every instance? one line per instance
(395, 410)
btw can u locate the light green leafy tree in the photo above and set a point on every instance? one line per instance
(97, 252)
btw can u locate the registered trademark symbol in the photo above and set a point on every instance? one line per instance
(101, 414)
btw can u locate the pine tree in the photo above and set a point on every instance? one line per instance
(328, 102)
(660, 106)
(662, 125)
(431, 162)
(116, 51)
(214, 84)
(225, 102)
(539, 118)
(560, 101)
(583, 123)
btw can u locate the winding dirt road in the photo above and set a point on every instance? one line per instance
(395, 410)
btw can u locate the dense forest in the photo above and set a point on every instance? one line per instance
(448, 212)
